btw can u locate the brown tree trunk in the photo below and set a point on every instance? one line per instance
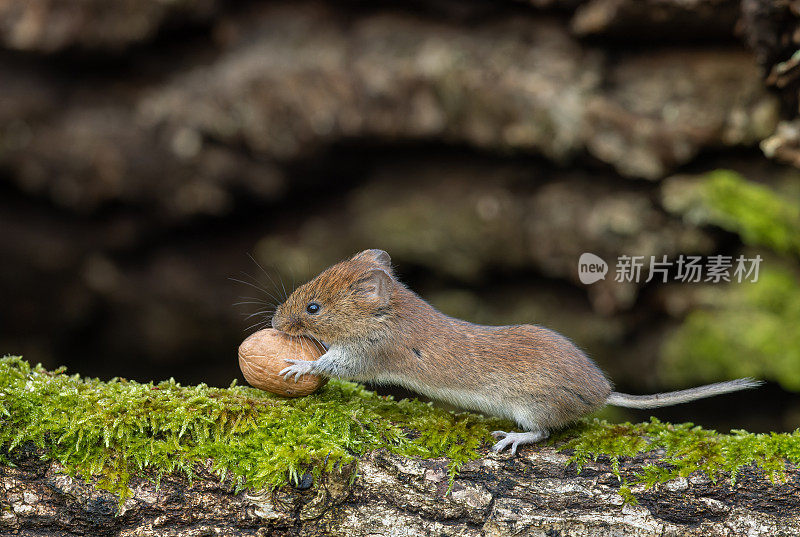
(535, 493)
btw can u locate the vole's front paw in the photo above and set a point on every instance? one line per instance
(298, 369)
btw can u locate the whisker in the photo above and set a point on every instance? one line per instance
(250, 298)
(263, 288)
(262, 312)
(254, 286)
(265, 272)
(247, 283)
(318, 342)
(285, 294)
(259, 302)
(259, 324)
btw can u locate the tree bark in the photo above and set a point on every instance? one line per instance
(537, 492)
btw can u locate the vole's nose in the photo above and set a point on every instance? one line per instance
(274, 324)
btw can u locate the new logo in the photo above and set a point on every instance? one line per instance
(591, 268)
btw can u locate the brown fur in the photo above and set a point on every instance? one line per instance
(525, 373)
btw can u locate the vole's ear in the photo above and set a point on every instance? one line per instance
(376, 256)
(377, 285)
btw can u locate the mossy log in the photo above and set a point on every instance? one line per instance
(535, 493)
(80, 456)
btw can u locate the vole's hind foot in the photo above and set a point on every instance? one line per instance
(516, 439)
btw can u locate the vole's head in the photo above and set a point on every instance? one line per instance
(344, 302)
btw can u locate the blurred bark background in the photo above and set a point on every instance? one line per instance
(147, 147)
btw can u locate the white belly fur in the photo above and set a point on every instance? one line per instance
(471, 400)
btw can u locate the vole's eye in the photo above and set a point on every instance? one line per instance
(312, 308)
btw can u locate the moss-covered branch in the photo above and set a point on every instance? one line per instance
(147, 443)
(255, 439)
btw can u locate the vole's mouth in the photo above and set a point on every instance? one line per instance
(325, 345)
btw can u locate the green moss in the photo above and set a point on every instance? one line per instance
(686, 449)
(760, 215)
(255, 439)
(119, 428)
(627, 494)
(749, 329)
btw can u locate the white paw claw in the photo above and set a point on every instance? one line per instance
(298, 369)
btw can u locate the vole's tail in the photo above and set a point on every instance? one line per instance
(682, 396)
